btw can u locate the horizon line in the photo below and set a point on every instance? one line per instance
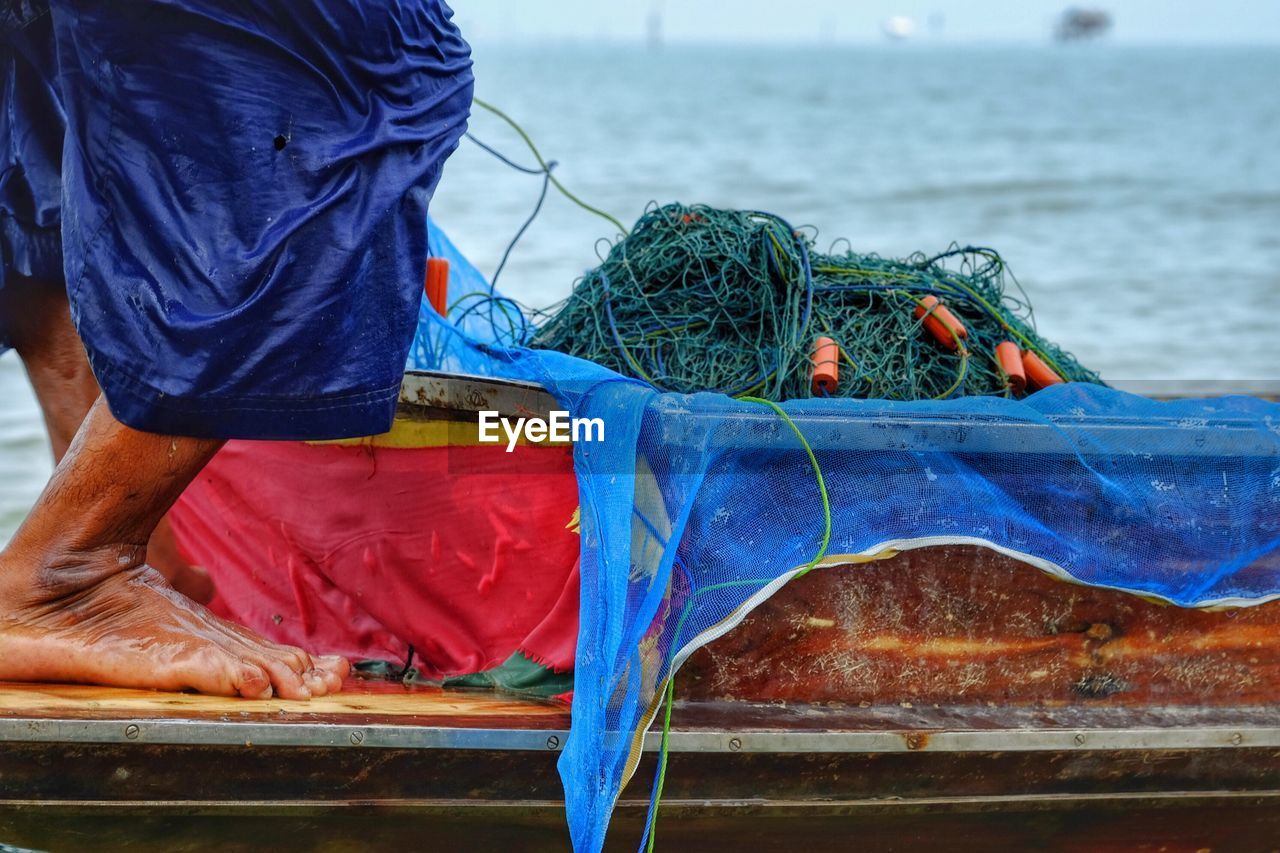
(870, 41)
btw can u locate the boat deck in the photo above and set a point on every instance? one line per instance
(390, 716)
(155, 771)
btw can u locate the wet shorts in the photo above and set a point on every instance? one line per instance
(235, 194)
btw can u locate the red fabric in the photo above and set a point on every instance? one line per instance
(554, 640)
(460, 551)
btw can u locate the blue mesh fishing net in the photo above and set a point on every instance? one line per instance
(695, 508)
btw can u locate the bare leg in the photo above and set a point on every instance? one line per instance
(54, 358)
(46, 341)
(78, 603)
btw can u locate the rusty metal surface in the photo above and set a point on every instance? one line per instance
(964, 626)
(735, 733)
(426, 395)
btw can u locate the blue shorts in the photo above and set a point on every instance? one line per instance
(31, 131)
(235, 194)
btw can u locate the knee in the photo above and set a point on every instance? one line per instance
(19, 306)
(36, 313)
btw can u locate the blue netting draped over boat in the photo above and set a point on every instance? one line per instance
(696, 507)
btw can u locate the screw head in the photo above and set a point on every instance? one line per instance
(735, 744)
(1237, 739)
(553, 742)
(357, 738)
(1079, 740)
(131, 732)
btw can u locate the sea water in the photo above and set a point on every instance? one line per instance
(1134, 191)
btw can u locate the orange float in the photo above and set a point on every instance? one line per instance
(1039, 374)
(941, 323)
(437, 285)
(1010, 358)
(826, 366)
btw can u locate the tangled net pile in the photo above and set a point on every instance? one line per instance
(702, 299)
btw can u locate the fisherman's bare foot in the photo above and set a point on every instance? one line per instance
(78, 603)
(131, 629)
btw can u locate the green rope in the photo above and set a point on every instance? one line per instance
(545, 167)
(817, 474)
(662, 762)
(671, 678)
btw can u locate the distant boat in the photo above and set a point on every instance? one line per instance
(898, 27)
(1078, 24)
(653, 28)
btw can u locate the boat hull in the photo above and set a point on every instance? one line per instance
(948, 697)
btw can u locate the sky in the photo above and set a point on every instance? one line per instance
(753, 21)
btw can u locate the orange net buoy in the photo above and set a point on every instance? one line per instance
(1010, 358)
(1039, 374)
(941, 323)
(826, 366)
(437, 284)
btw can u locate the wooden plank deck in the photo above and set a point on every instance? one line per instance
(360, 701)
